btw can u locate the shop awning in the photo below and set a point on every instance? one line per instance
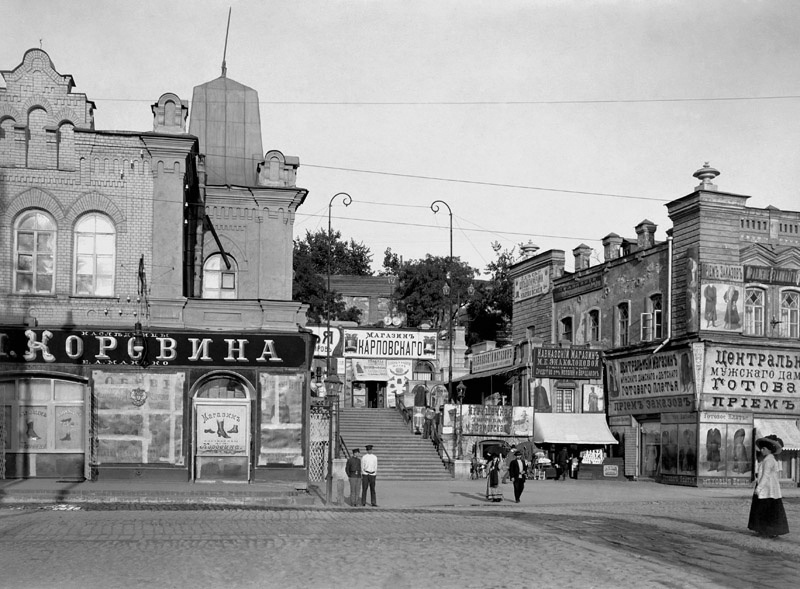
(486, 373)
(571, 428)
(785, 429)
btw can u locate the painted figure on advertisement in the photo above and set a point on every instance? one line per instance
(713, 444)
(731, 297)
(687, 457)
(541, 398)
(710, 295)
(740, 462)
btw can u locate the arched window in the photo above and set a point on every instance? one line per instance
(790, 314)
(219, 281)
(34, 253)
(222, 387)
(754, 311)
(95, 250)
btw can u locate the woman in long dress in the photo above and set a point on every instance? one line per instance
(767, 515)
(493, 490)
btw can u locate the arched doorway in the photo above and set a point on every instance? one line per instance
(221, 424)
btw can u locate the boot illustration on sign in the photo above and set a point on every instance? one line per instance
(30, 432)
(234, 429)
(221, 429)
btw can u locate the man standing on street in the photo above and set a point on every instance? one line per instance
(369, 470)
(353, 471)
(516, 471)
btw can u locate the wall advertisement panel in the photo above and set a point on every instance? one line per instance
(725, 447)
(755, 380)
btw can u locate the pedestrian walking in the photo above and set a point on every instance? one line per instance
(767, 515)
(369, 470)
(562, 458)
(516, 471)
(507, 462)
(353, 470)
(493, 490)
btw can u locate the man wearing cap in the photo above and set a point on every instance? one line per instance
(369, 470)
(517, 470)
(353, 471)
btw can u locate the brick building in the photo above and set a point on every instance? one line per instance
(147, 325)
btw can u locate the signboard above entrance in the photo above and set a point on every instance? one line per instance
(566, 363)
(389, 343)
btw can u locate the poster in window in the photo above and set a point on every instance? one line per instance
(687, 448)
(593, 398)
(69, 427)
(33, 427)
(222, 430)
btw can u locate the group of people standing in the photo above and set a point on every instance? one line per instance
(361, 473)
(515, 469)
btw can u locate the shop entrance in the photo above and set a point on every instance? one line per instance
(221, 414)
(370, 394)
(650, 448)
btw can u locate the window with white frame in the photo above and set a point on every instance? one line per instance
(658, 315)
(623, 323)
(34, 253)
(95, 252)
(564, 401)
(754, 311)
(790, 313)
(593, 326)
(219, 281)
(566, 329)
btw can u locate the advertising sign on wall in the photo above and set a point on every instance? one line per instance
(481, 420)
(532, 284)
(566, 363)
(651, 383)
(755, 380)
(327, 341)
(222, 430)
(389, 343)
(492, 359)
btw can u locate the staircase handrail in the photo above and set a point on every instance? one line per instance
(343, 447)
(444, 455)
(408, 414)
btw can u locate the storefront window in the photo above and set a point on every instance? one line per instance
(281, 420)
(651, 449)
(139, 417)
(43, 415)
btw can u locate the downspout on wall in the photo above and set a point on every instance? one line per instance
(669, 295)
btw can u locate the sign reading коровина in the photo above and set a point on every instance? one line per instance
(566, 363)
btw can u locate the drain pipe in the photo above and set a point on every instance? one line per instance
(669, 295)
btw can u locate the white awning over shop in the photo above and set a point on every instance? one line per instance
(571, 428)
(785, 429)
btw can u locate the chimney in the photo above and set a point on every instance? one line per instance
(611, 246)
(645, 234)
(582, 253)
(706, 174)
(528, 250)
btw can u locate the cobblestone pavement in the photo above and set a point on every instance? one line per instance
(674, 544)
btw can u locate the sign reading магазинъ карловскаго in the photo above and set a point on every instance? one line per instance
(99, 347)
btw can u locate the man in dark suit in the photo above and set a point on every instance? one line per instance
(517, 470)
(353, 471)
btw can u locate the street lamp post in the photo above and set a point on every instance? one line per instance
(460, 389)
(448, 293)
(333, 387)
(346, 200)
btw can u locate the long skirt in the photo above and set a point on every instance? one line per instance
(493, 493)
(768, 517)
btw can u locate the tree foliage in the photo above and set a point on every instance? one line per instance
(489, 309)
(311, 259)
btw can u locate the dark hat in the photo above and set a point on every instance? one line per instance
(356, 451)
(517, 453)
(368, 447)
(773, 442)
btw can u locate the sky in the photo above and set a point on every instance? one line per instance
(551, 121)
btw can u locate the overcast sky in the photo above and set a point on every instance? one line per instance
(552, 121)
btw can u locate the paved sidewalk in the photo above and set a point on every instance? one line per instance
(391, 494)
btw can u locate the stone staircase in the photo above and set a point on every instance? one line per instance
(402, 455)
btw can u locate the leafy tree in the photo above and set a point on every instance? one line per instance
(420, 287)
(310, 257)
(489, 309)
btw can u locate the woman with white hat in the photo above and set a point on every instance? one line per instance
(767, 515)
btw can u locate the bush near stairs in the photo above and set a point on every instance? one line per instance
(402, 455)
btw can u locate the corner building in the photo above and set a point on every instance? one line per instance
(147, 326)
